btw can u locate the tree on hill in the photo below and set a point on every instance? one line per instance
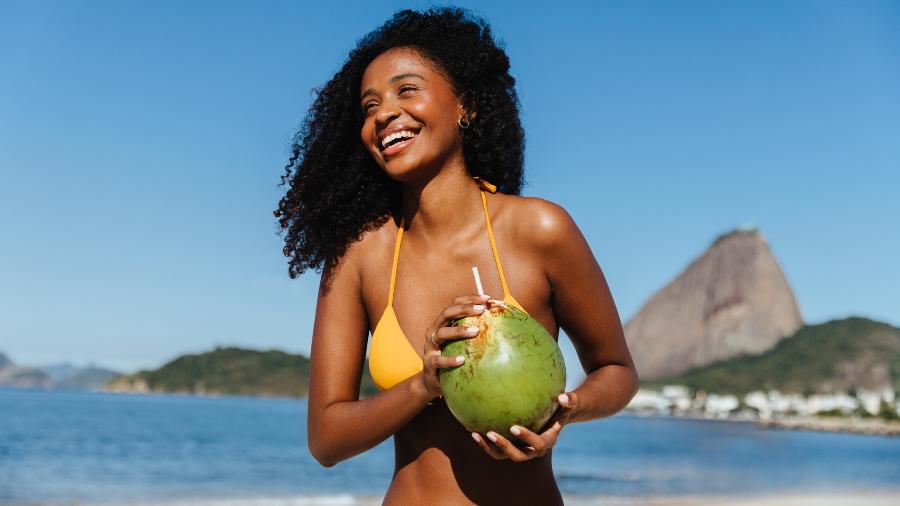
(230, 371)
(840, 355)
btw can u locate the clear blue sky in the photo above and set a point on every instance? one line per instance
(141, 145)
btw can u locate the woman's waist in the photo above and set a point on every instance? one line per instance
(464, 477)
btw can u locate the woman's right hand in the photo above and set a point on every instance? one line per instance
(438, 333)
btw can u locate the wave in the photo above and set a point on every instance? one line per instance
(589, 476)
(320, 500)
(302, 500)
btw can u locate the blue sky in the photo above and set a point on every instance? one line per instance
(141, 145)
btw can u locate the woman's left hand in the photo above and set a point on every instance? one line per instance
(501, 448)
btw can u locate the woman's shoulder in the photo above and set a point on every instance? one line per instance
(373, 243)
(546, 223)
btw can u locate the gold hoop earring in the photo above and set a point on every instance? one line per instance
(463, 123)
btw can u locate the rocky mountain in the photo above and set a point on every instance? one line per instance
(229, 371)
(65, 376)
(836, 356)
(70, 377)
(59, 372)
(14, 376)
(732, 300)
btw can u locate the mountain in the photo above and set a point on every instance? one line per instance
(836, 356)
(66, 376)
(59, 372)
(229, 371)
(14, 376)
(70, 377)
(731, 300)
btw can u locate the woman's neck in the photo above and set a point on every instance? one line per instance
(444, 207)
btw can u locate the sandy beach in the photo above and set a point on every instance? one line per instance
(858, 499)
(861, 498)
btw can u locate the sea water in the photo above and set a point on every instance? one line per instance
(89, 448)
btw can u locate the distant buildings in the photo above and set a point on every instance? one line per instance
(678, 400)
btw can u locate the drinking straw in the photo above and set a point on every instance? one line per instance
(477, 280)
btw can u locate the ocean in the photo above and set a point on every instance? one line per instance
(92, 448)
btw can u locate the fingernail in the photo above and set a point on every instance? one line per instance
(478, 307)
(492, 437)
(515, 430)
(472, 330)
(475, 437)
(460, 359)
(563, 399)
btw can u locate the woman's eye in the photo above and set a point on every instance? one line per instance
(407, 88)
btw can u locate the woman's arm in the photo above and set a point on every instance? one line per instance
(339, 424)
(584, 308)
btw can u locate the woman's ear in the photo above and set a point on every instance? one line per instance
(464, 114)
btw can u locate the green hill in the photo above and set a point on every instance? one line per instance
(229, 371)
(840, 355)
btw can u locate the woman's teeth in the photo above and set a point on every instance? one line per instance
(396, 135)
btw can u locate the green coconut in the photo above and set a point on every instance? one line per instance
(512, 375)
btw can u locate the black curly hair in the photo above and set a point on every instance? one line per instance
(337, 190)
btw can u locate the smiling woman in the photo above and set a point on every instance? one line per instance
(403, 82)
(418, 136)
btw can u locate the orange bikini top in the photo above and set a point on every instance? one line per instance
(392, 358)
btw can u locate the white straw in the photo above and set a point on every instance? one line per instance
(477, 280)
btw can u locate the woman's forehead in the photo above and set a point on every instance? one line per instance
(395, 62)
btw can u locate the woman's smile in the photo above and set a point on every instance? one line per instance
(396, 138)
(398, 146)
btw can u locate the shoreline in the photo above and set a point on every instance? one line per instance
(865, 426)
(844, 425)
(838, 425)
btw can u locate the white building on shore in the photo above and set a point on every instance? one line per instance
(678, 400)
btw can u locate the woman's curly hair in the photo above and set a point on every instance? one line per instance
(337, 190)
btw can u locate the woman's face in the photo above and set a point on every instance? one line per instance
(411, 113)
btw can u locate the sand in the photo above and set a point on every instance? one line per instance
(861, 498)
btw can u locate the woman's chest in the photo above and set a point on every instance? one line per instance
(426, 280)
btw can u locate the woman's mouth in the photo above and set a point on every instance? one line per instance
(398, 142)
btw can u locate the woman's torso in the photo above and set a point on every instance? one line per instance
(435, 455)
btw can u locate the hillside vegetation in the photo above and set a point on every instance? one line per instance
(229, 371)
(836, 356)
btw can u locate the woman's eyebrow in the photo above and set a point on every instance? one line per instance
(392, 80)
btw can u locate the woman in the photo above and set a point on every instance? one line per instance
(417, 141)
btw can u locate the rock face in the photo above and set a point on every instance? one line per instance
(64, 376)
(13, 376)
(732, 300)
(70, 377)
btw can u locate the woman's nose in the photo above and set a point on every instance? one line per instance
(386, 113)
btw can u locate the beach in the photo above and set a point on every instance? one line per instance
(862, 498)
(859, 498)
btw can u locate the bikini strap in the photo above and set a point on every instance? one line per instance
(485, 185)
(394, 264)
(487, 219)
